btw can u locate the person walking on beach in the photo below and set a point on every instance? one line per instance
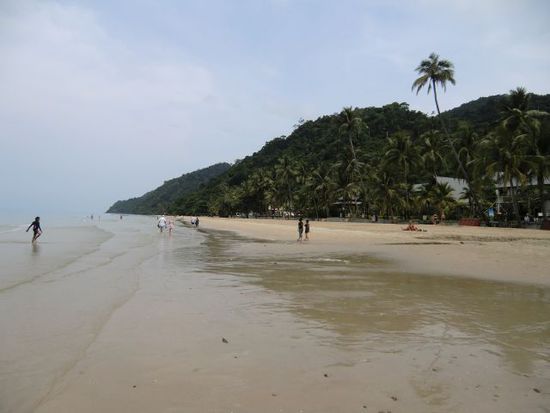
(35, 228)
(196, 222)
(162, 223)
(300, 230)
(307, 229)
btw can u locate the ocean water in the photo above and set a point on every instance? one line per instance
(112, 315)
(56, 294)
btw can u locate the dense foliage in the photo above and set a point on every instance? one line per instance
(159, 200)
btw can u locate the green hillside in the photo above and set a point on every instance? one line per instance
(484, 113)
(159, 200)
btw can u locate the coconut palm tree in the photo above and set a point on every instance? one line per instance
(402, 155)
(440, 196)
(541, 161)
(326, 186)
(350, 127)
(286, 173)
(519, 120)
(516, 113)
(505, 156)
(432, 147)
(386, 191)
(435, 71)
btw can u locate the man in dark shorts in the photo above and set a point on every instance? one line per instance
(307, 229)
(35, 228)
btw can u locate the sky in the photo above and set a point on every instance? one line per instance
(102, 100)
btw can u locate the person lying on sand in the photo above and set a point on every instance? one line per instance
(411, 227)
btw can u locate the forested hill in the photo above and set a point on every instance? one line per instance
(359, 156)
(482, 113)
(296, 170)
(158, 200)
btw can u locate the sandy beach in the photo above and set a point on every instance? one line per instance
(500, 254)
(236, 316)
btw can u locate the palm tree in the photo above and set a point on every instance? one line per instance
(505, 156)
(516, 112)
(351, 126)
(286, 172)
(541, 161)
(432, 152)
(387, 193)
(434, 71)
(440, 195)
(519, 120)
(326, 186)
(402, 154)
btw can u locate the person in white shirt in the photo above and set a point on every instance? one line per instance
(162, 223)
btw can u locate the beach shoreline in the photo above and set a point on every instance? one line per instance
(238, 316)
(494, 254)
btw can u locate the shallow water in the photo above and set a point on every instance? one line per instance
(366, 305)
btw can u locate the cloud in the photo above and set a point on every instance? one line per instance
(64, 68)
(80, 98)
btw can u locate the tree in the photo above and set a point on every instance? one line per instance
(519, 120)
(387, 193)
(505, 157)
(432, 152)
(326, 186)
(285, 172)
(402, 155)
(351, 126)
(440, 195)
(434, 71)
(541, 161)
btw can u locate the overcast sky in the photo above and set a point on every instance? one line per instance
(104, 100)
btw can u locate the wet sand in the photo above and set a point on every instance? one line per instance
(500, 254)
(249, 321)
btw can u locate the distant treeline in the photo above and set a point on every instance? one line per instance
(161, 199)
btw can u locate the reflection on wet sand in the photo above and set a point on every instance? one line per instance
(367, 305)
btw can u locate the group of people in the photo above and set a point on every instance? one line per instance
(301, 228)
(195, 221)
(164, 223)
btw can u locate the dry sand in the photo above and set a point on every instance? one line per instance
(500, 254)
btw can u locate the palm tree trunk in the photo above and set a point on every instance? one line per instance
(476, 208)
(540, 185)
(514, 200)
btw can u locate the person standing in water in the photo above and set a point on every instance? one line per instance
(162, 223)
(300, 230)
(35, 228)
(307, 229)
